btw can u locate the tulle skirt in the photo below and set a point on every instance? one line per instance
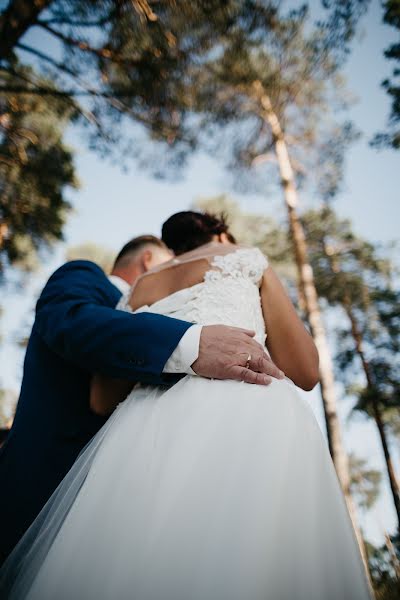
(209, 490)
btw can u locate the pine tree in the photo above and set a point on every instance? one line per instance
(104, 257)
(36, 169)
(349, 273)
(385, 569)
(391, 138)
(121, 60)
(365, 482)
(268, 93)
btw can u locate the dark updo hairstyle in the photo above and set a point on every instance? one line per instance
(188, 230)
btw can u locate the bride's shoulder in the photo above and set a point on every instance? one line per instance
(245, 261)
(233, 259)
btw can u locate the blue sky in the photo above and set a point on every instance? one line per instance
(112, 206)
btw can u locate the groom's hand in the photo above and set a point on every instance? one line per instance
(232, 353)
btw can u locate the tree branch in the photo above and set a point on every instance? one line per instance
(112, 100)
(103, 53)
(15, 20)
(61, 21)
(43, 91)
(47, 58)
(85, 113)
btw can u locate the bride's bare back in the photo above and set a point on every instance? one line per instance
(175, 275)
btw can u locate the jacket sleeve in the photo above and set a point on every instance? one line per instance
(76, 318)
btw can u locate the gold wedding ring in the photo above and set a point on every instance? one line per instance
(248, 361)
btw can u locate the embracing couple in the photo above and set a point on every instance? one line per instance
(142, 465)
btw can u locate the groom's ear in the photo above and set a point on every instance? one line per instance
(147, 259)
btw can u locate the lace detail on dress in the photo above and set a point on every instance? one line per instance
(248, 263)
(228, 295)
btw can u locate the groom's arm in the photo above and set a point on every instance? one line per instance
(76, 318)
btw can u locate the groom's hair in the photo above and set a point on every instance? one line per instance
(134, 246)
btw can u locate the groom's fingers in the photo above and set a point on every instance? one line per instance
(263, 364)
(243, 374)
(232, 353)
(248, 332)
(260, 363)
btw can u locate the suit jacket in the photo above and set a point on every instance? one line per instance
(76, 333)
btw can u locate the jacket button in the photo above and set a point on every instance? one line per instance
(138, 361)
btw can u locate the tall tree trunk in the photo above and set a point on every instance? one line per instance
(377, 413)
(306, 277)
(15, 20)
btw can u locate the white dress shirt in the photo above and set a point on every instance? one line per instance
(186, 352)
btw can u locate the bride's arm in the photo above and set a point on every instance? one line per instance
(290, 345)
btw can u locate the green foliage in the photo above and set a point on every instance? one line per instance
(149, 61)
(125, 58)
(104, 257)
(157, 65)
(365, 482)
(351, 273)
(36, 168)
(381, 334)
(393, 422)
(342, 262)
(284, 62)
(342, 21)
(384, 565)
(379, 328)
(392, 85)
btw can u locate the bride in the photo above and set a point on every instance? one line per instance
(206, 490)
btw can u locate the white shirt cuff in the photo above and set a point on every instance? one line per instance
(186, 352)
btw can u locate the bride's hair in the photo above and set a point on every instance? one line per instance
(187, 230)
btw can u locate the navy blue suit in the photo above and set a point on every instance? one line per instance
(76, 333)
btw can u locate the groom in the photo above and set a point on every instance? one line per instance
(77, 332)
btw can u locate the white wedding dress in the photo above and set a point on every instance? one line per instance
(208, 490)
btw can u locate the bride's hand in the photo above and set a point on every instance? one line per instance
(232, 353)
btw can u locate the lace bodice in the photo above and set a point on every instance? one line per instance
(228, 295)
